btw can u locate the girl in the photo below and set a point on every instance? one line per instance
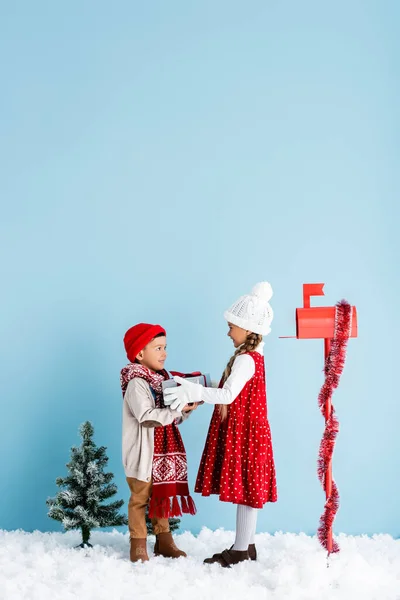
(237, 461)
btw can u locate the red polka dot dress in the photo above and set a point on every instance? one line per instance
(237, 461)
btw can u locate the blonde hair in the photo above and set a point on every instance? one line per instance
(251, 343)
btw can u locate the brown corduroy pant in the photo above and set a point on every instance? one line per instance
(140, 496)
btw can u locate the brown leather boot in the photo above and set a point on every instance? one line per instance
(216, 557)
(138, 550)
(232, 557)
(165, 546)
(252, 552)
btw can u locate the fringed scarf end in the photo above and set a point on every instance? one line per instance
(170, 507)
(175, 509)
(191, 505)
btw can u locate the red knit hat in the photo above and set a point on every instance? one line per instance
(138, 336)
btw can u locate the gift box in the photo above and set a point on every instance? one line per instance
(196, 377)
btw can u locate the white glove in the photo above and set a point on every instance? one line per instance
(177, 397)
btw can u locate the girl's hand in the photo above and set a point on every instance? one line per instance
(184, 394)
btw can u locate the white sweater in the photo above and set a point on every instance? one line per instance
(243, 370)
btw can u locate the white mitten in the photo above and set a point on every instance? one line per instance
(174, 402)
(177, 398)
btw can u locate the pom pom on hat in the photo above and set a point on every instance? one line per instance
(263, 290)
(253, 311)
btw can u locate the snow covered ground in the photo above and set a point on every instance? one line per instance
(45, 566)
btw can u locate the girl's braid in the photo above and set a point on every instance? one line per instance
(251, 343)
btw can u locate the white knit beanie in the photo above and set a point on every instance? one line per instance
(253, 311)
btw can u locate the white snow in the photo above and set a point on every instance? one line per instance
(46, 566)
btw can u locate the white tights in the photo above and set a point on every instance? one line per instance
(246, 523)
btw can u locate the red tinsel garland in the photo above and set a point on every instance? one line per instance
(333, 369)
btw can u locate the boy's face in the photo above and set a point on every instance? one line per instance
(237, 335)
(154, 354)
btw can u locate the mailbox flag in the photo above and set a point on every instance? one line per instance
(311, 289)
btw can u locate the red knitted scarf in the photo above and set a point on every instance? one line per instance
(169, 461)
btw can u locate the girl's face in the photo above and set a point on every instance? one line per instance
(154, 354)
(237, 335)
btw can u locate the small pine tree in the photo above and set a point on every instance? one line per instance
(79, 503)
(173, 523)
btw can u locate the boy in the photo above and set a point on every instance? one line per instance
(153, 453)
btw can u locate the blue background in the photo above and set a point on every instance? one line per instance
(157, 160)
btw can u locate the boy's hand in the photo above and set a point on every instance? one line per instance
(189, 407)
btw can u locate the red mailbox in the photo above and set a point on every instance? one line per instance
(318, 322)
(335, 325)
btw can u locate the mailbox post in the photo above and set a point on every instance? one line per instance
(333, 324)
